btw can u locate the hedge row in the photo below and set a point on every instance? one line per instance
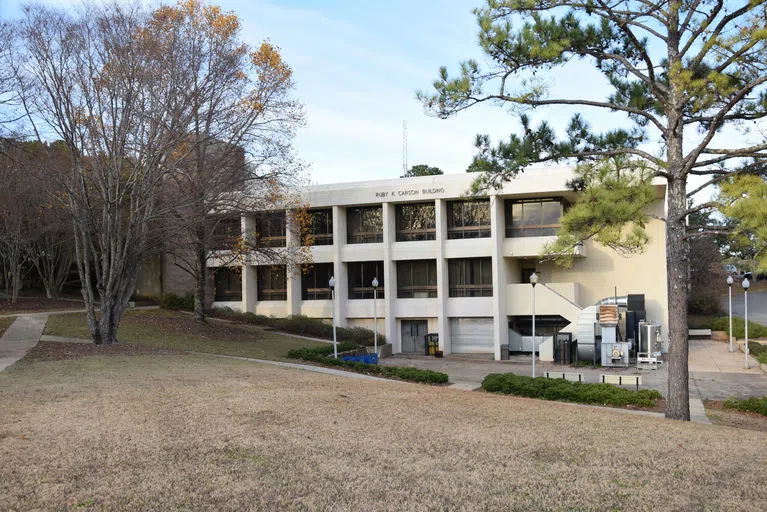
(753, 404)
(755, 330)
(318, 355)
(303, 326)
(173, 301)
(566, 391)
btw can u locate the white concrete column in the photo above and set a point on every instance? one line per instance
(292, 269)
(443, 322)
(247, 227)
(339, 267)
(390, 277)
(500, 276)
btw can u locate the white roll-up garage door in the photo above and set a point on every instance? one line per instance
(471, 335)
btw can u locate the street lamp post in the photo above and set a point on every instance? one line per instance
(375, 315)
(729, 285)
(533, 281)
(332, 284)
(746, 283)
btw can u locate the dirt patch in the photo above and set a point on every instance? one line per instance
(720, 415)
(57, 351)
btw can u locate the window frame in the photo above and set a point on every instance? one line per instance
(364, 237)
(364, 289)
(459, 268)
(521, 228)
(270, 294)
(225, 231)
(268, 233)
(409, 291)
(231, 293)
(466, 223)
(320, 238)
(312, 276)
(411, 234)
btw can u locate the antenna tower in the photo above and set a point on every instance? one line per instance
(404, 147)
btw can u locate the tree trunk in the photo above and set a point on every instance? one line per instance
(200, 281)
(16, 283)
(677, 270)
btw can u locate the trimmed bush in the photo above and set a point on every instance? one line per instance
(753, 404)
(318, 355)
(755, 330)
(566, 391)
(173, 301)
(303, 326)
(758, 350)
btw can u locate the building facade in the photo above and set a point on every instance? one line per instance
(446, 263)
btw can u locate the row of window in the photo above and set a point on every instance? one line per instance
(468, 277)
(414, 222)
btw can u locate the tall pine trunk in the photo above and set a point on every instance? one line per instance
(677, 275)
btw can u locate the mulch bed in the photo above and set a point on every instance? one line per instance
(26, 305)
(30, 304)
(58, 351)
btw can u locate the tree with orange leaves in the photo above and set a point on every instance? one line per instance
(237, 154)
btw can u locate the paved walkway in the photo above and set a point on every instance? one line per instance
(22, 335)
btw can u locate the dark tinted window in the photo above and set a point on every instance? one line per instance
(470, 277)
(537, 217)
(227, 284)
(416, 222)
(270, 229)
(225, 233)
(315, 281)
(361, 276)
(321, 226)
(364, 225)
(416, 279)
(468, 219)
(272, 282)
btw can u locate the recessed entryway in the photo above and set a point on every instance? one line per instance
(412, 335)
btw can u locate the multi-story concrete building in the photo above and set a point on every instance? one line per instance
(446, 263)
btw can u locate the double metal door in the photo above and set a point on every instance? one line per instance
(413, 332)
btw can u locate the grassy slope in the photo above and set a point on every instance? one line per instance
(188, 432)
(179, 331)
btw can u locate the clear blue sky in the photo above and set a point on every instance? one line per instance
(357, 66)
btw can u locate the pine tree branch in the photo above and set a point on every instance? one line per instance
(700, 207)
(713, 38)
(692, 157)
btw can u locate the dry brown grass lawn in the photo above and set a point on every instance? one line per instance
(6, 323)
(200, 433)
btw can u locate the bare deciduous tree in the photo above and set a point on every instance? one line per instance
(118, 102)
(238, 154)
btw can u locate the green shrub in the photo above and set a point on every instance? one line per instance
(753, 404)
(566, 391)
(173, 301)
(318, 355)
(755, 330)
(758, 350)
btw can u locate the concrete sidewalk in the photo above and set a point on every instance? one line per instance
(22, 335)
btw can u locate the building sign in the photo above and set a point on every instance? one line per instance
(409, 192)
